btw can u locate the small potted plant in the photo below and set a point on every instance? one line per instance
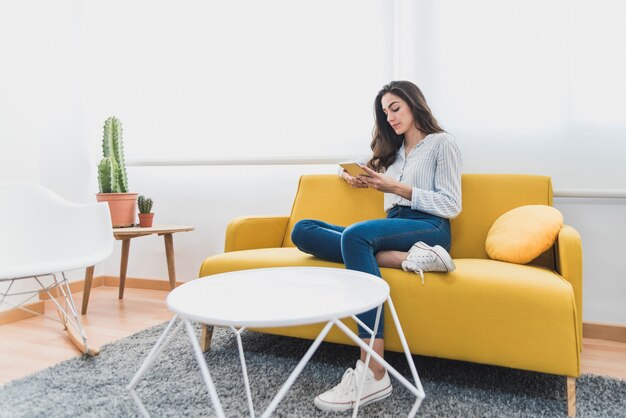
(112, 176)
(145, 215)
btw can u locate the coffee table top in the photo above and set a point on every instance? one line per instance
(277, 297)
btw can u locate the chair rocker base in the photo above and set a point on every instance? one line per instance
(68, 315)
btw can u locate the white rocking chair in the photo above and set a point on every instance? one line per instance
(41, 237)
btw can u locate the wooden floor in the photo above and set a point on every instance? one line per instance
(33, 344)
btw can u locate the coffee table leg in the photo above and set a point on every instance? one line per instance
(405, 347)
(417, 391)
(204, 369)
(161, 343)
(355, 410)
(244, 369)
(296, 372)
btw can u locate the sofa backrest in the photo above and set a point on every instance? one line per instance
(485, 198)
(328, 198)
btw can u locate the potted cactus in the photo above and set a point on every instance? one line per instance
(112, 176)
(145, 211)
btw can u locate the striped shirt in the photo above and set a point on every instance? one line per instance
(433, 169)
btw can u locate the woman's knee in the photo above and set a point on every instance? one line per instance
(300, 230)
(356, 234)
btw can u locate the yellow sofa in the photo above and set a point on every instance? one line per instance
(492, 312)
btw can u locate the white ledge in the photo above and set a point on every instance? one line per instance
(591, 193)
(237, 161)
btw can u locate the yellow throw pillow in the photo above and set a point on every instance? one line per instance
(522, 234)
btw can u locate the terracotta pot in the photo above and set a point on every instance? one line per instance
(123, 207)
(145, 220)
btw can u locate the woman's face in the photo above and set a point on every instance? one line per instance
(398, 112)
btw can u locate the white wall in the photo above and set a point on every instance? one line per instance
(20, 77)
(198, 79)
(40, 128)
(531, 87)
(61, 79)
(601, 224)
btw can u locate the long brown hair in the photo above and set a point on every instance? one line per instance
(385, 142)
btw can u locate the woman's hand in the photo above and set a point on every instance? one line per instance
(379, 181)
(353, 181)
(386, 184)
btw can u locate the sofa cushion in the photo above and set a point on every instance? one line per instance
(522, 234)
(260, 258)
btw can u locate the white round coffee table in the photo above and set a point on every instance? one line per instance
(278, 297)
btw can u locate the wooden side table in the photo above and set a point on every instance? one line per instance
(125, 235)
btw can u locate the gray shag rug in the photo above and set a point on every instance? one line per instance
(96, 386)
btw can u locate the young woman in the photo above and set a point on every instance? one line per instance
(417, 166)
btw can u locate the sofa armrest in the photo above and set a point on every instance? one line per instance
(247, 233)
(569, 264)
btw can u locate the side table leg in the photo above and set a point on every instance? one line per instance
(87, 288)
(124, 265)
(169, 254)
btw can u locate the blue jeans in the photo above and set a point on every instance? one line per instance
(356, 245)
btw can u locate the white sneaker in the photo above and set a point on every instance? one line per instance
(423, 257)
(343, 396)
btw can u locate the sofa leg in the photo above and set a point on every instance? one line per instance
(205, 337)
(571, 396)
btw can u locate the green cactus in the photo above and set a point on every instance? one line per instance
(112, 169)
(107, 175)
(144, 204)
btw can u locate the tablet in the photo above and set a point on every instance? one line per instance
(353, 168)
